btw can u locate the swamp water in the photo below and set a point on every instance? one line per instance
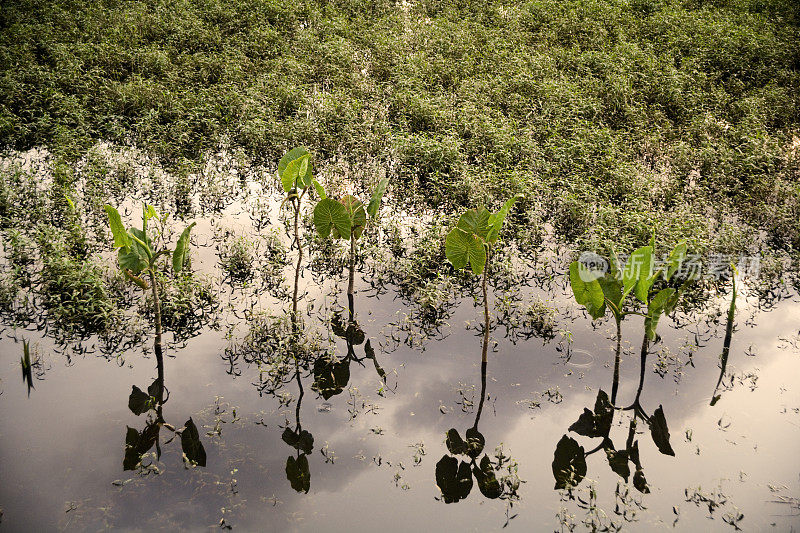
(379, 398)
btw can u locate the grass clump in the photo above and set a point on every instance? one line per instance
(690, 107)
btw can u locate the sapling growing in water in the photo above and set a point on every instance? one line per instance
(346, 219)
(294, 171)
(138, 260)
(609, 288)
(471, 243)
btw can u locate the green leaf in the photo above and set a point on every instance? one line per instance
(612, 290)
(132, 259)
(475, 222)
(654, 310)
(296, 173)
(181, 249)
(637, 273)
(496, 220)
(292, 155)
(148, 212)
(329, 214)
(140, 242)
(320, 190)
(676, 258)
(462, 249)
(569, 463)
(358, 216)
(377, 194)
(121, 238)
(660, 432)
(587, 293)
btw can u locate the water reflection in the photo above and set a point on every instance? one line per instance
(569, 459)
(454, 476)
(139, 443)
(726, 345)
(297, 469)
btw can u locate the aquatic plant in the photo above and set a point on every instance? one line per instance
(138, 259)
(470, 243)
(346, 219)
(295, 174)
(609, 287)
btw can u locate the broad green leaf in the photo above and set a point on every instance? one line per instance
(136, 279)
(121, 239)
(140, 242)
(377, 194)
(676, 258)
(655, 309)
(357, 214)
(295, 174)
(181, 249)
(475, 222)
(329, 214)
(587, 293)
(462, 249)
(496, 219)
(637, 273)
(320, 190)
(291, 155)
(612, 290)
(131, 259)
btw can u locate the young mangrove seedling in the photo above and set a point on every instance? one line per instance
(471, 242)
(608, 288)
(138, 260)
(294, 171)
(346, 219)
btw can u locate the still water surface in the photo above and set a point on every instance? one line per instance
(377, 441)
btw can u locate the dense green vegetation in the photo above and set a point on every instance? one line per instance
(616, 114)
